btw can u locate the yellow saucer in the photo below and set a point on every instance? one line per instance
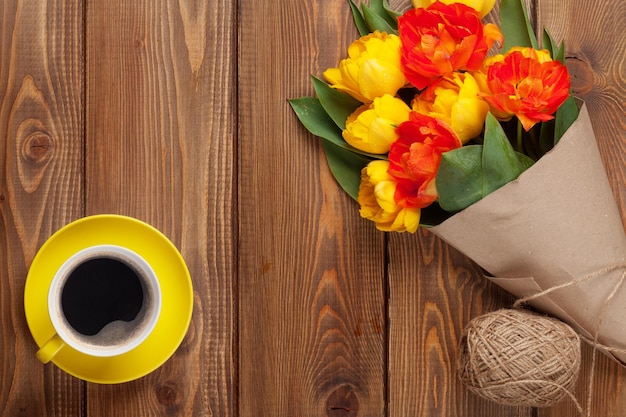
(169, 267)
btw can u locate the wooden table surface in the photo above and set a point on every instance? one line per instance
(176, 113)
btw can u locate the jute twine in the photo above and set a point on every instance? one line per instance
(516, 357)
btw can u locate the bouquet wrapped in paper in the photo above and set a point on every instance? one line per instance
(438, 119)
(556, 229)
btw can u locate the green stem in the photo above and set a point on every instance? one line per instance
(520, 142)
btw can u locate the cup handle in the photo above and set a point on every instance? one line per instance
(50, 349)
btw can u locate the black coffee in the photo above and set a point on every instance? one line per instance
(100, 291)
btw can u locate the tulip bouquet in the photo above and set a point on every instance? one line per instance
(436, 118)
(419, 122)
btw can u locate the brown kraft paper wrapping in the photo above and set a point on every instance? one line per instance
(557, 223)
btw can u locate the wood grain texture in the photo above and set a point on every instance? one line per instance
(596, 51)
(160, 146)
(312, 295)
(175, 112)
(434, 292)
(41, 173)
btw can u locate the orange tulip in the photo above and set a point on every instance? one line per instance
(441, 39)
(414, 158)
(528, 86)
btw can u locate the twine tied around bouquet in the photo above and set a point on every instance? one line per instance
(516, 357)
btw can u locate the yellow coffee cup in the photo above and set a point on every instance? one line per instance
(104, 301)
(108, 299)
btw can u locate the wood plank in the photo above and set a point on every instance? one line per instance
(434, 291)
(41, 173)
(312, 295)
(160, 132)
(596, 47)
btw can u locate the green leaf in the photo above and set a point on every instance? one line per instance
(546, 136)
(515, 25)
(394, 14)
(382, 9)
(377, 16)
(548, 43)
(566, 114)
(377, 22)
(460, 178)
(313, 116)
(337, 105)
(359, 20)
(468, 174)
(346, 167)
(499, 160)
(377, 7)
(553, 130)
(315, 119)
(524, 160)
(559, 54)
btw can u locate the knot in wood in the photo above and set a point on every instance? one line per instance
(342, 402)
(167, 394)
(38, 147)
(581, 74)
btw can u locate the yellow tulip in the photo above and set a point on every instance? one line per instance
(372, 127)
(455, 100)
(376, 197)
(483, 7)
(372, 68)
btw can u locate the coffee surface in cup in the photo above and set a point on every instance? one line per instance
(102, 292)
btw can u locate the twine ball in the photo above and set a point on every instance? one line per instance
(518, 358)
